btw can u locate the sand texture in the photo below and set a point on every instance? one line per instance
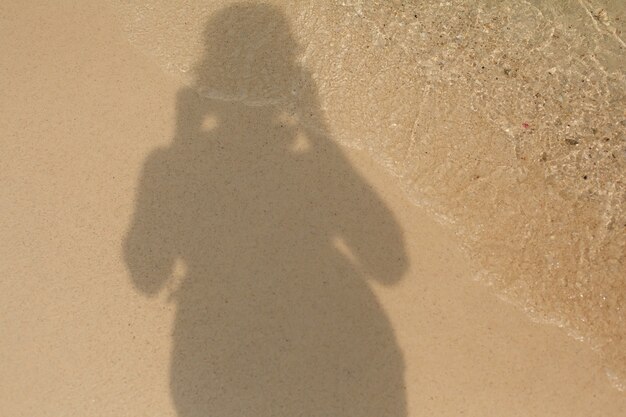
(171, 250)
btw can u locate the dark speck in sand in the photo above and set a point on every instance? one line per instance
(571, 141)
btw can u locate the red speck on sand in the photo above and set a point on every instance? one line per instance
(525, 125)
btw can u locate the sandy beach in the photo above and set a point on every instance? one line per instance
(166, 253)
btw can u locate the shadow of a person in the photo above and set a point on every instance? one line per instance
(277, 235)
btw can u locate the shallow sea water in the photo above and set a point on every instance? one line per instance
(505, 119)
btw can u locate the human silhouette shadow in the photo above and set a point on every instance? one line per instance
(274, 236)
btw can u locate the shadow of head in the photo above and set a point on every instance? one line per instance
(250, 53)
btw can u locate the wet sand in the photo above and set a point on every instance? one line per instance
(83, 112)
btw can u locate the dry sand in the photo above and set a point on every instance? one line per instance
(82, 113)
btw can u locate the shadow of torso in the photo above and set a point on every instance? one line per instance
(273, 318)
